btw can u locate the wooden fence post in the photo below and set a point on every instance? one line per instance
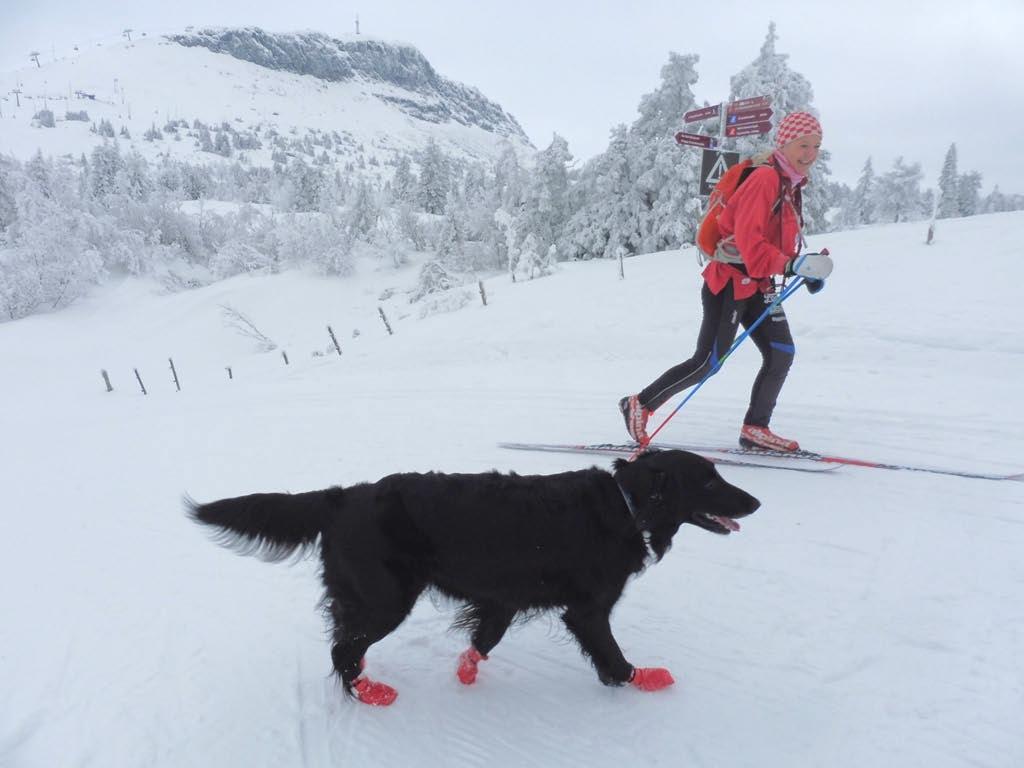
(483, 293)
(175, 373)
(385, 319)
(106, 380)
(141, 385)
(334, 339)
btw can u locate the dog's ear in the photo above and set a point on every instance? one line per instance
(645, 486)
(643, 482)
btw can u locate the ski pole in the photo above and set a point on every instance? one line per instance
(783, 295)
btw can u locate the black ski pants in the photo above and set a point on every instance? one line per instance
(722, 314)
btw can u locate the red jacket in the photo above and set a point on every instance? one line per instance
(764, 242)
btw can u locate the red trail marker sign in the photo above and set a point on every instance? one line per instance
(742, 104)
(695, 140)
(702, 114)
(748, 129)
(748, 116)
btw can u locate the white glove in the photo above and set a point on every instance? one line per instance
(813, 266)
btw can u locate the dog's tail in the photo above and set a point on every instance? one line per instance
(271, 526)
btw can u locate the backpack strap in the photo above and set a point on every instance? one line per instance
(726, 251)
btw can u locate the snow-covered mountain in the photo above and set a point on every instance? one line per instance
(369, 98)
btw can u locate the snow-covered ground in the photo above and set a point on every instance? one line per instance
(861, 618)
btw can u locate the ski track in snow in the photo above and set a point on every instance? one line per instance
(861, 617)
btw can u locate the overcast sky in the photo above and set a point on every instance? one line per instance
(890, 78)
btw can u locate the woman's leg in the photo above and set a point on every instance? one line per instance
(722, 314)
(775, 342)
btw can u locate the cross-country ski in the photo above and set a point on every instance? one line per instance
(631, 449)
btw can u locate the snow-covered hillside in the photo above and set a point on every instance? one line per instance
(861, 618)
(375, 98)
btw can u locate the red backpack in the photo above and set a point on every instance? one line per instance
(708, 234)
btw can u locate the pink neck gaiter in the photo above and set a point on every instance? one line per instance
(794, 175)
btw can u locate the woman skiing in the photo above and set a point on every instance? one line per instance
(761, 237)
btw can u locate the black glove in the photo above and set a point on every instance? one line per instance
(812, 285)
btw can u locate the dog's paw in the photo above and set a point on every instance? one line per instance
(468, 661)
(651, 678)
(373, 693)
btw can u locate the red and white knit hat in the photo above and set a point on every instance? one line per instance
(796, 125)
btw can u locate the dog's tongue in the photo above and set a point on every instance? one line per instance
(728, 522)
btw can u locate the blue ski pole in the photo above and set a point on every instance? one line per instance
(784, 294)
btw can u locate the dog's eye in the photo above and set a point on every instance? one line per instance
(710, 484)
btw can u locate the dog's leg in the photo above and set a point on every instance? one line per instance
(490, 622)
(590, 626)
(592, 629)
(491, 627)
(357, 626)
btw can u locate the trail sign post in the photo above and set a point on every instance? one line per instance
(744, 117)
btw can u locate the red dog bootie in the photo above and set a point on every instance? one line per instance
(468, 660)
(651, 678)
(373, 693)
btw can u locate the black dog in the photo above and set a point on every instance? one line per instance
(503, 545)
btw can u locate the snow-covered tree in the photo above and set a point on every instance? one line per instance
(47, 261)
(859, 207)
(968, 191)
(898, 193)
(788, 91)
(363, 210)
(451, 244)
(403, 185)
(534, 261)
(544, 209)
(509, 179)
(8, 208)
(994, 202)
(222, 144)
(949, 195)
(435, 181)
(769, 75)
(640, 195)
(105, 163)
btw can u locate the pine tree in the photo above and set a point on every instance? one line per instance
(859, 208)
(640, 195)
(434, 178)
(949, 196)
(995, 202)
(545, 203)
(788, 91)
(404, 182)
(222, 144)
(898, 193)
(363, 211)
(451, 246)
(769, 75)
(104, 166)
(968, 189)
(8, 209)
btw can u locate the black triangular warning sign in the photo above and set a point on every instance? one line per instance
(713, 166)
